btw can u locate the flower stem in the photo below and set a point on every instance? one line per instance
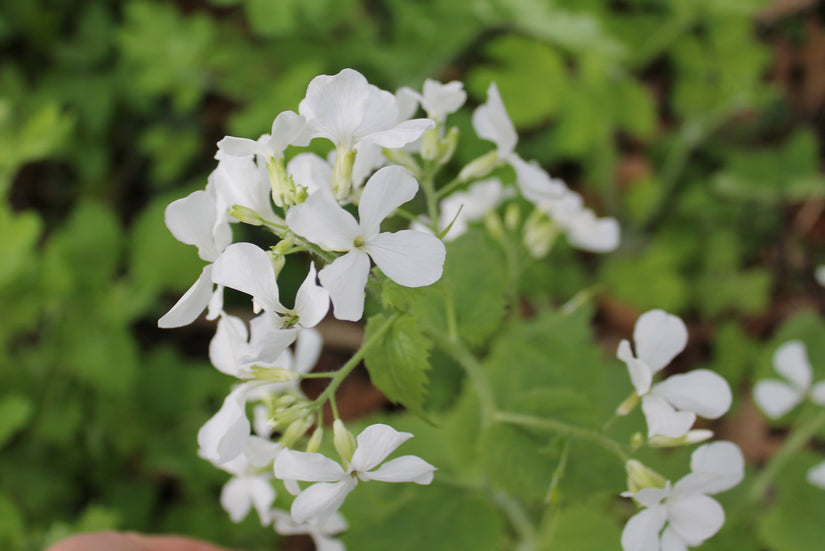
(798, 438)
(518, 519)
(563, 428)
(353, 362)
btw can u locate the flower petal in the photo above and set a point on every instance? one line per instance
(695, 518)
(321, 500)
(239, 494)
(311, 301)
(401, 134)
(671, 541)
(816, 475)
(439, 100)
(194, 220)
(701, 391)
(375, 443)
(191, 304)
(775, 398)
(535, 183)
(334, 105)
(323, 222)
(228, 345)
(491, 122)
(818, 393)
(311, 172)
(715, 467)
(659, 337)
(240, 147)
(307, 350)
(408, 468)
(791, 361)
(408, 257)
(640, 374)
(247, 268)
(385, 191)
(224, 436)
(307, 467)
(641, 533)
(345, 280)
(663, 419)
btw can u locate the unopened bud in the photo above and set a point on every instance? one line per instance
(283, 188)
(512, 216)
(692, 437)
(314, 443)
(401, 157)
(492, 222)
(628, 405)
(479, 167)
(274, 374)
(540, 232)
(448, 145)
(342, 173)
(246, 215)
(639, 477)
(344, 441)
(295, 431)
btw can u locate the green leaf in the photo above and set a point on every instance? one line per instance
(581, 527)
(516, 461)
(475, 298)
(20, 233)
(398, 361)
(797, 516)
(15, 412)
(436, 519)
(529, 74)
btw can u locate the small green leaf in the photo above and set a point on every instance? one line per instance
(581, 527)
(398, 362)
(516, 461)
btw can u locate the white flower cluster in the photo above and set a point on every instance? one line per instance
(378, 157)
(776, 397)
(670, 406)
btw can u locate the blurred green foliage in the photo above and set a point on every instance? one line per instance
(111, 109)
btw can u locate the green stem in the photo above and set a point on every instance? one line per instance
(448, 188)
(473, 368)
(518, 519)
(563, 428)
(432, 200)
(353, 362)
(798, 438)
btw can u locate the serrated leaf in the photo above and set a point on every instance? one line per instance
(398, 361)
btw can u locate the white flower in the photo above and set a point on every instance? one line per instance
(248, 268)
(347, 110)
(250, 484)
(321, 532)
(463, 207)
(816, 475)
(224, 436)
(235, 351)
(197, 220)
(334, 482)
(410, 258)
(240, 181)
(685, 512)
(288, 128)
(437, 99)
(776, 397)
(819, 274)
(670, 406)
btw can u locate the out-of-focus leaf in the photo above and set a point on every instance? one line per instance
(15, 411)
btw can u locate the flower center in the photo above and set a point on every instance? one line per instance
(358, 242)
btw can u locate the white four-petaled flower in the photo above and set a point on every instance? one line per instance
(681, 516)
(776, 397)
(408, 257)
(333, 482)
(672, 405)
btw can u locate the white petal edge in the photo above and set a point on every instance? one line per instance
(775, 398)
(701, 391)
(659, 337)
(408, 468)
(345, 280)
(192, 304)
(375, 443)
(306, 466)
(408, 257)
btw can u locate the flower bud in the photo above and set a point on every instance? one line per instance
(692, 437)
(274, 374)
(479, 167)
(246, 215)
(492, 222)
(283, 188)
(294, 431)
(639, 477)
(540, 232)
(628, 405)
(314, 443)
(447, 146)
(512, 216)
(401, 157)
(344, 441)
